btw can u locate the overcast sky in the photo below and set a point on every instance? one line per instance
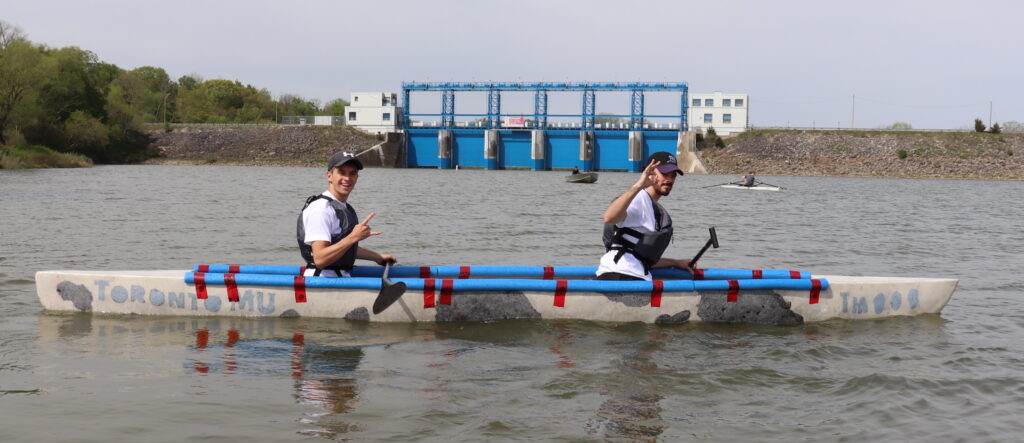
(933, 64)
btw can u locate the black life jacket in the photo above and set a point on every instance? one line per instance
(649, 248)
(347, 217)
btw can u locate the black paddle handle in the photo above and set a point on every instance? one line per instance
(713, 241)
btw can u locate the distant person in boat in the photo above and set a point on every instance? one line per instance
(747, 180)
(575, 170)
(329, 231)
(637, 229)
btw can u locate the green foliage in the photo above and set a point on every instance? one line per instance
(35, 156)
(995, 129)
(71, 102)
(979, 126)
(336, 107)
(902, 154)
(899, 126)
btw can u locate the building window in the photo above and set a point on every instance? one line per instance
(387, 116)
(739, 102)
(351, 116)
(707, 118)
(727, 118)
(709, 102)
(696, 102)
(355, 99)
(726, 102)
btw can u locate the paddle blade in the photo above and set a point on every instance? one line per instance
(714, 237)
(389, 294)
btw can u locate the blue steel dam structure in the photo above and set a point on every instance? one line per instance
(540, 141)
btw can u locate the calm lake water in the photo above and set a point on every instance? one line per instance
(958, 376)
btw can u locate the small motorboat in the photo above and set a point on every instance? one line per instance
(582, 177)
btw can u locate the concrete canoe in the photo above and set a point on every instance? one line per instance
(752, 300)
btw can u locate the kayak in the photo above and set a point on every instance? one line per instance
(490, 293)
(760, 187)
(582, 177)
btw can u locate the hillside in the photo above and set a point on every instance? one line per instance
(961, 155)
(255, 145)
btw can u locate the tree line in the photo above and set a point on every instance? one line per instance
(67, 101)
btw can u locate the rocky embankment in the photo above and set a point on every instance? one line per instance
(961, 155)
(256, 145)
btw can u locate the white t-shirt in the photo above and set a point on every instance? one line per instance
(321, 223)
(639, 216)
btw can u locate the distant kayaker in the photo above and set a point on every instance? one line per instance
(637, 229)
(747, 180)
(575, 170)
(328, 230)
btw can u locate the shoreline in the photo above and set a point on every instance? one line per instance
(798, 153)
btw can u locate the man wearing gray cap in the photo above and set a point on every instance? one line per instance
(637, 228)
(328, 230)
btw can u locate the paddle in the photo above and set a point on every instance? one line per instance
(390, 291)
(713, 241)
(769, 184)
(720, 184)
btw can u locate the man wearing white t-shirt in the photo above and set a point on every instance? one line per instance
(328, 230)
(637, 228)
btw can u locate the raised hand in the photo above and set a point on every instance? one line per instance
(362, 230)
(648, 177)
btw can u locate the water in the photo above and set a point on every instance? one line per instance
(957, 376)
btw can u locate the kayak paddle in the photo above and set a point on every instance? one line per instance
(713, 241)
(390, 291)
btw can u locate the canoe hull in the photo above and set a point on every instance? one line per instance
(167, 293)
(752, 188)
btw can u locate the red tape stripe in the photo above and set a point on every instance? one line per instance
(229, 281)
(234, 269)
(464, 272)
(428, 291)
(549, 273)
(425, 272)
(200, 279)
(734, 291)
(698, 274)
(302, 270)
(656, 293)
(204, 268)
(794, 274)
(560, 288)
(300, 289)
(446, 292)
(815, 291)
(756, 274)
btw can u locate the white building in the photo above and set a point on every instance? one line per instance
(727, 113)
(373, 112)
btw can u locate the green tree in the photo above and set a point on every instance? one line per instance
(979, 126)
(995, 129)
(23, 70)
(900, 126)
(85, 133)
(336, 107)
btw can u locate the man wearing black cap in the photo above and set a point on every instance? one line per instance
(328, 230)
(637, 228)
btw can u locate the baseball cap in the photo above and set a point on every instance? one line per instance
(667, 162)
(341, 157)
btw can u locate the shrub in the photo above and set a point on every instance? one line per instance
(979, 126)
(902, 154)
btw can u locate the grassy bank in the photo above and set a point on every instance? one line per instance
(35, 156)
